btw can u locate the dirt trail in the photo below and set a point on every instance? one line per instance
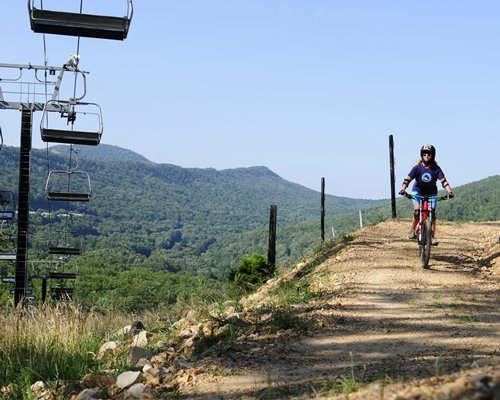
(378, 315)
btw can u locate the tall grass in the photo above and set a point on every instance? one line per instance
(50, 344)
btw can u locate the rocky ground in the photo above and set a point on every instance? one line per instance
(364, 321)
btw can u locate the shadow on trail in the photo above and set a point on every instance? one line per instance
(386, 334)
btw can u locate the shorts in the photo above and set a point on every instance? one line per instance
(432, 202)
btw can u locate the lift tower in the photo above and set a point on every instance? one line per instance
(26, 92)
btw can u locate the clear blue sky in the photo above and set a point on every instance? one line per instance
(307, 88)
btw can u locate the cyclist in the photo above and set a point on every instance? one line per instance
(426, 173)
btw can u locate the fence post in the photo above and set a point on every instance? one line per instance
(393, 179)
(322, 210)
(360, 219)
(271, 252)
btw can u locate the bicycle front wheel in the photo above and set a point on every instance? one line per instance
(425, 244)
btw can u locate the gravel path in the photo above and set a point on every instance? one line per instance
(378, 318)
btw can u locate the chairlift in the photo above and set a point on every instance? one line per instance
(64, 244)
(62, 293)
(87, 116)
(68, 185)
(63, 268)
(7, 205)
(9, 251)
(63, 272)
(80, 24)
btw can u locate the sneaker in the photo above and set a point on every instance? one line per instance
(434, 241)
(412, 235)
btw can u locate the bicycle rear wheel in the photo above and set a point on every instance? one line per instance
(425, 244)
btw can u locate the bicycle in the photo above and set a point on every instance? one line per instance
(424, 227)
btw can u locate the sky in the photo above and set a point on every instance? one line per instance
(310, 89)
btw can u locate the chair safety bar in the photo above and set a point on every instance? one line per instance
(69, 110)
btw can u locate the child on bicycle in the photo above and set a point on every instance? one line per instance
(426, 172)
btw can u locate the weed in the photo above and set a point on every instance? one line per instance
(347, 237)
(438, 366)
(216, 371)
(290, 293)
(283, 318)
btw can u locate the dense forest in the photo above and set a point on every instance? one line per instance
(154, 233)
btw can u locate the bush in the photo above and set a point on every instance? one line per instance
(252, 272)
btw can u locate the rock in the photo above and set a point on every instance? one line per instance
(38, 389)
(484, 362)
(89, 394)
(181, 363)
(160, 359)
(141, 339)
(138, 391)
(234, 318)
(153, 377)
(135, 354)
(131, 329)
(106, 348)
(94, 380)
(129, 378)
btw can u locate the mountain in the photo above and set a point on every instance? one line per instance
(166, 217)
(103, 152)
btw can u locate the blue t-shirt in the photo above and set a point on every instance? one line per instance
(425, 178)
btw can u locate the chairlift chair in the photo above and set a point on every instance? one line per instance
(62, 293)
(73, 112)
(68, 185)
(64, 244)
(8, 252)
(80, 24)
(7, 205)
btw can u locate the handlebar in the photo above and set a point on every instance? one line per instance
(416, 196)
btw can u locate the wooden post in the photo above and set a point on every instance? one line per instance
(393, 179)
(322, 210)
(271, 252)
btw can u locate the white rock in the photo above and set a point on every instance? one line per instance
(141, 339)
(136, 391)
(107, 347)
(129, 378)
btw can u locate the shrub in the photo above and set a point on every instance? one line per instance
(252, 272)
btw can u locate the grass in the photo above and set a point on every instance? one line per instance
(52, 344)
(291, 293)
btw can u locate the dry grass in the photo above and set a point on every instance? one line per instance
(52, 343)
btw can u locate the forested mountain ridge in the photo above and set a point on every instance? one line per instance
(154, 233)
(103, 152)
(164, 216)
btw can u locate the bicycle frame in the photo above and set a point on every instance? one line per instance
(424, 227)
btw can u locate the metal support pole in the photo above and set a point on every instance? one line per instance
(271, 252)
(44, 288)
(23, 206)
(393, 179)
(322, 210)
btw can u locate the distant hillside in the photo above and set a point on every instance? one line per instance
(168, 217)
(475, 201)
(103, 152)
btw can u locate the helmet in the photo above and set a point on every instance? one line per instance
(428, 148)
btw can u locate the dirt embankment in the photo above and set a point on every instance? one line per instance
(375, 323)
